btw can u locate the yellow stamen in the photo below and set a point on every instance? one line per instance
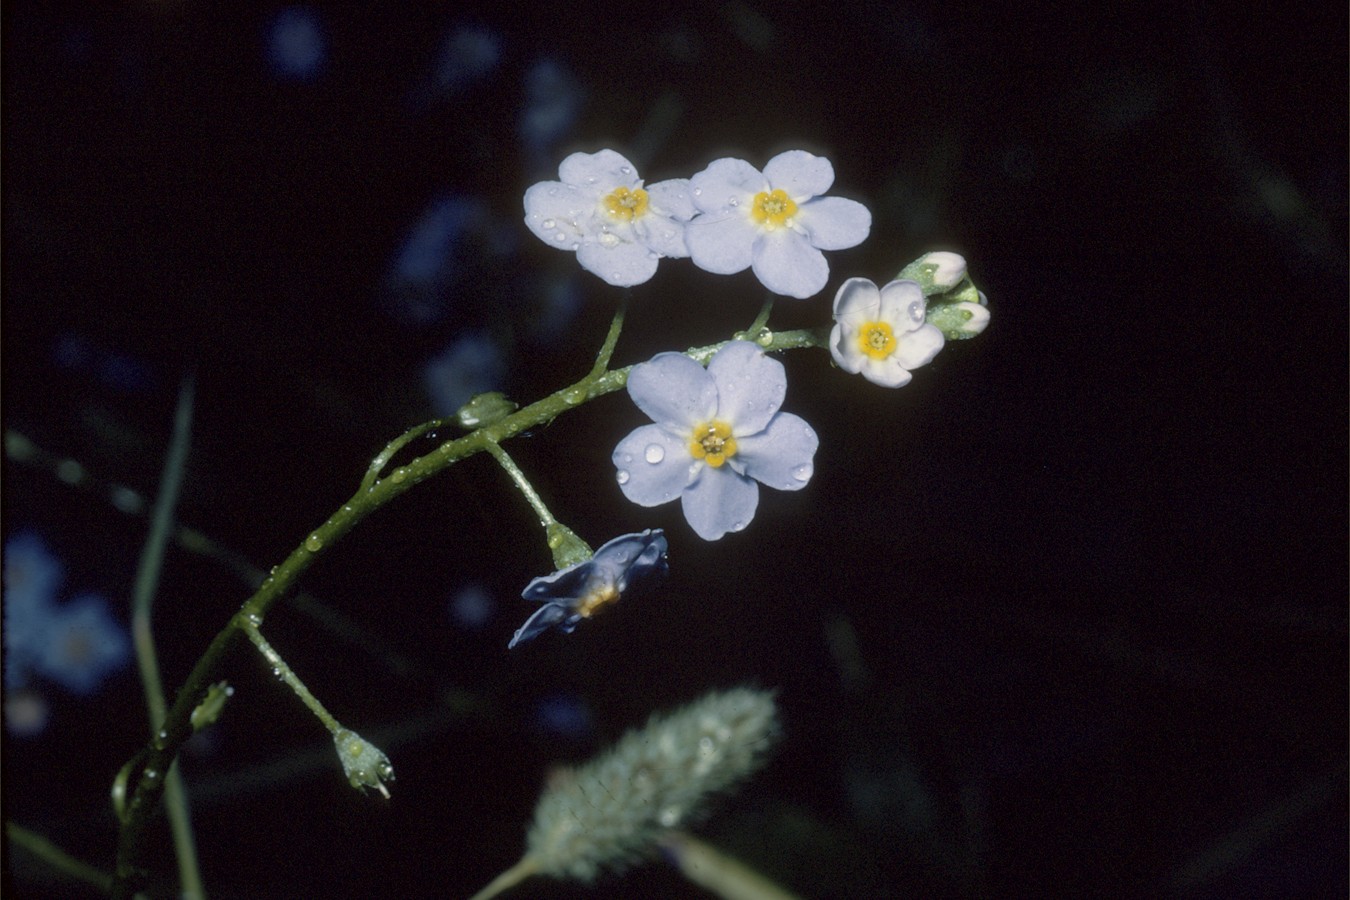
(625, 205)
(600, 596)
(876, 339)
(773, 210)
(712, 442)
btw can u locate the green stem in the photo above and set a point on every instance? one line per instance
(56, 858)
(285, 673)
(531, 495)
(373, 494)
(615, 326)
(147, 584)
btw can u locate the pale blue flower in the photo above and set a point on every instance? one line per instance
(83, 645)
(718, 431)
(618, 228)
(553, 100)
(882, 334)
(775, 222)
(32, 577)
(582, 589)
(472, 365)
(296, 45)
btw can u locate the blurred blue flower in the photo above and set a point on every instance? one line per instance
(553, 101)
(472, 606)
(32, 576)
(473, 364)
(425, 263)
(580, 590)
(82, 645)
(468, 54)
(563, 715)
(296, 44)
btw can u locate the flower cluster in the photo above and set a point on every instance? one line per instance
(717, 432)
(727, 218)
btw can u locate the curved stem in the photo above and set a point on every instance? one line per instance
(507, 880)
(531, 495)
(373, 493)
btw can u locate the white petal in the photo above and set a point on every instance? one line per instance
(897, 299)
(750, 386)
(622, 264)
(834, 223)
(676, 392)
(918, 347)
(603, 171)
(951, 267)
(653, 466)
(662, 235)
(781, 455)
(800, 174)
(726, 184)
(719, 501)
(786, 264)
(844, 349)
(558, 213)
(886, 372)
(721, 246)
(674, 198)
(857, 301)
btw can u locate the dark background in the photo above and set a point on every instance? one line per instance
(1064, 616)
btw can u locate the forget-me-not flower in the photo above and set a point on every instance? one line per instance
(718, 431)
(600, 209)
(774, 222)
(582, 589)
(83, 645)
(882, 333)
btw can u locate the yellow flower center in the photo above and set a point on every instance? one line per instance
(600, 596)
(625, 205)
(773, 209)
(876, 339)
(712, 442)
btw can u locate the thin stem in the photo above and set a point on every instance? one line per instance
(147, 584)
(57, 858)
(752, 333)
(508, 879)
(531, 495)
(714, 871)
(612, 338)
(284, 672)
(373, 494)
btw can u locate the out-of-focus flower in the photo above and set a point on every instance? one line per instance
(467, 54)
(472, 606)
(618, 228)
(32, 577)
(718, 431)
(553, 100)
(82, 645)
(472, 365)
(882, 333)
(296, 45)
(563, 715)
(581, 590)
(26, 712)
(774, 222)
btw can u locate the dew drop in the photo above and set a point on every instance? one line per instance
(621, 476)
(916, 310)
(314, 543)
(560, 236)
(398, 475)
(548, 224)
(625, 170)
(732, 201)
(574, 396)
(628, 457)
(553, 192)
(667, 235)
(803, 472)
(698, 192)
(655, 453)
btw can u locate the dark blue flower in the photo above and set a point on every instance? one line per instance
(578, 591)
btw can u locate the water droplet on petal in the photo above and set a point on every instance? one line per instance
(621, 476)
(732, 201)
(553, 192)
(547, 224)
(916, 311)
(655, 453)
(625, 170)
(698, 192)
(560, 236)
(803, 472)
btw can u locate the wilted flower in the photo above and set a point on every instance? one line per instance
(717, 432)
(618, 228)
(580, 590)
(882, 333)
(775, 222)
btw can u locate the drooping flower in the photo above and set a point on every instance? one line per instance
(882, 333)
(775, 222)
(618, 228)
(718, 431)
(582, 589)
